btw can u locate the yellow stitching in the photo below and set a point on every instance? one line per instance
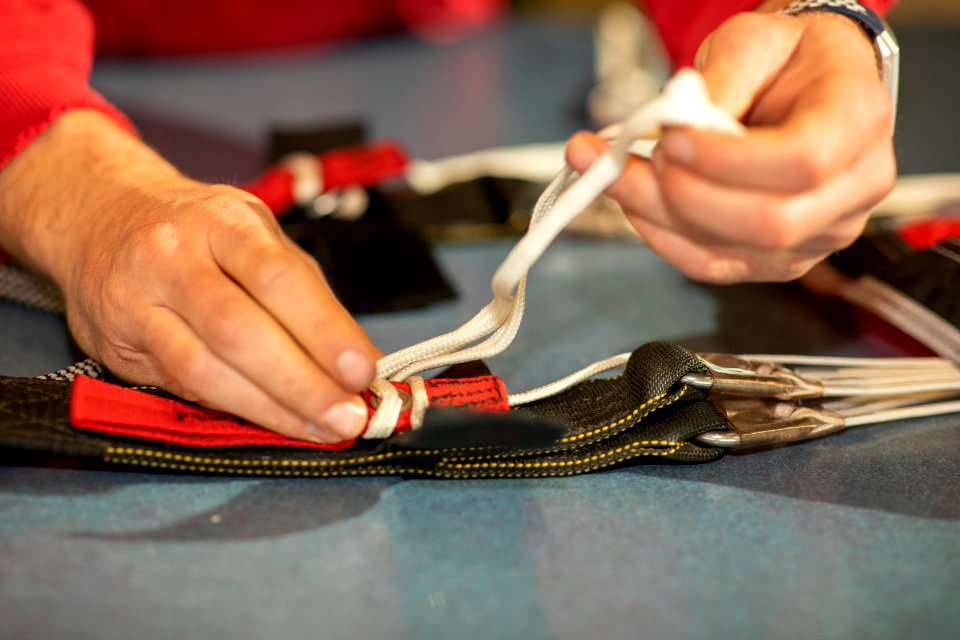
(514, 454)
(629, 416)
(558, 463)
(339, 467)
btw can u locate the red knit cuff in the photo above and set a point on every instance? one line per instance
(11, 145)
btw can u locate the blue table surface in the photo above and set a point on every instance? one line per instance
(854, 535)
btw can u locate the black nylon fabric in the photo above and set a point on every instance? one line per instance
(644, 414)
(33, 415)
(931, 277)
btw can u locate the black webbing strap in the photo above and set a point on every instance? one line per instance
(645, 414)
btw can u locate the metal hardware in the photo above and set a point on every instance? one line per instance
(756, 423)
(732, 376)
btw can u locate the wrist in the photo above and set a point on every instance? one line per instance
(886, 50)
(56, 193)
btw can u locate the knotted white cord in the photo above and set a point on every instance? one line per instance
(683, 102)
(384, 419)
(418, 393)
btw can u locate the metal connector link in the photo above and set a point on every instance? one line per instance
(731, 376)
(757, 423)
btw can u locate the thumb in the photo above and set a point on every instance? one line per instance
(582, 149)
(743, 56)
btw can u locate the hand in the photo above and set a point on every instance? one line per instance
(799, 185)
(187, 286)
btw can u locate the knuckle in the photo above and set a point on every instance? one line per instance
(274, 268)
(159, 241)
(793, 269)
(238, 202)
(812, 167)
(713, 269)
(190, 376)
(886, 174)
(780, 229)
(231, 330)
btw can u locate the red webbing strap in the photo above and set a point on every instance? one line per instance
(110, 409)
(361, 165)
(483, 394)
(106, 408)
(923, 235)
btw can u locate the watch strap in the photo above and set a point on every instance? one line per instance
(870, 20)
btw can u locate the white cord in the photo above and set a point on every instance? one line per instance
(384, 419)
(307, 181)
(418, 393)
(919, 411)
(841, 361)
(684, 101)
(533, 162)
(524, 397)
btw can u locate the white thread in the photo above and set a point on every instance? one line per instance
(420, 401)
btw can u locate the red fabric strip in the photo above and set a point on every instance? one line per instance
(105, 408)
(925, 234)
(483, 394)
(363, 165)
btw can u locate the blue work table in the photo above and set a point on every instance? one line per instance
(852, 536)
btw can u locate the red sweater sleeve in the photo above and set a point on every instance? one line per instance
(46, 51)
(684, 24)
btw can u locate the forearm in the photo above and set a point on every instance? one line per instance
(55, 192)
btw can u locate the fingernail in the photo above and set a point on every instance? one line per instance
(346, 419)
(355, 369)
(678, 147)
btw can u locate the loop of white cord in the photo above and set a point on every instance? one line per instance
(683, 102)
(418, 393)
(384, 419)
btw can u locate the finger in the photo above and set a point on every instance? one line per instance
(723, 264)
(719, 213)
(817, 117)
(818, 140)
(292, 289)
(743, 56)
(189, 369)
(248, 339)
(637, 189)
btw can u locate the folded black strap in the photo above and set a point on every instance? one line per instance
(645, 414)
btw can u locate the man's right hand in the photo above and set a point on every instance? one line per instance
(187, 286)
